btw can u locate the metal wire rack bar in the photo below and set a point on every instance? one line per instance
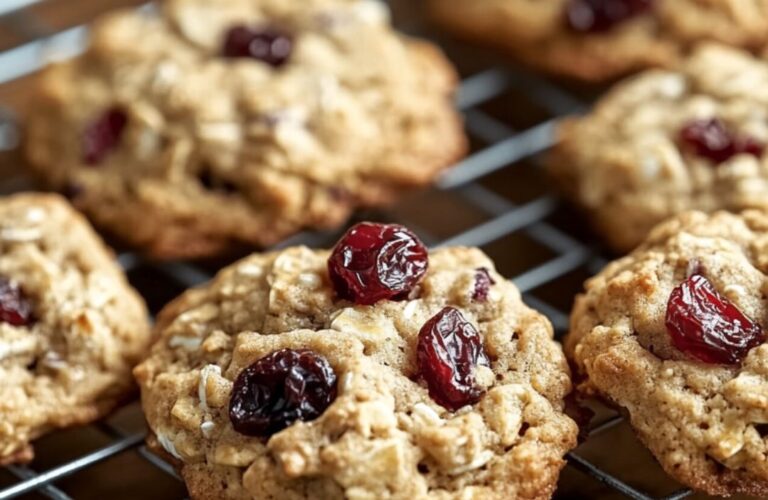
(40, 480)
(49, 491)
(11, 6)
(503, 147)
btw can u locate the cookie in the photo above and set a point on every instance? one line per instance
(71, 328)
(420, 375)
(673, 335)
(669, 141)
(599, 40)
(238, 123)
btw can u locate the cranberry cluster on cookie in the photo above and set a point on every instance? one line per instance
(378, 368)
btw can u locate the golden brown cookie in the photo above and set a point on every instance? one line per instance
(668, 141)
(71, 327)
(241, 122)
(673, 334)
(598, 40)
(451, 388)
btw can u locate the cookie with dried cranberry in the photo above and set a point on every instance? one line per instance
(668, 141)
(374, 370)
(674, 334)
(599, 40)
(239, 123)
(71, 327)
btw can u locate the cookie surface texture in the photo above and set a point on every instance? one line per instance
(599, 40)
(382, 436)
(71, 327)
(635, 341)
(664, 142)
(238, 123)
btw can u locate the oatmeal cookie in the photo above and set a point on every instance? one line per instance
(673, 334)
(668, 141)
(266, 383)
(71, 328)
(239, 122)
(598, 40)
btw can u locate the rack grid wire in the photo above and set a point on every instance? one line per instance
(500, 201)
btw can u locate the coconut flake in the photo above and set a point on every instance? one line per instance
(205, 373)
(480, 460)
(16, 347)
(328, 91)
(310, 280)
(166, 73)
(20, 234)
(346, 382)
(53, 360)
(220, 132)
(207, 428)
(410, 309)
(426, 415)
(168, 445)
(188, 343)
(373, 12)
(672, 86)
(35, 215)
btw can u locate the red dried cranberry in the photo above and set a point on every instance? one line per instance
(711, 139)
(707, 326)
(373, 262)
(268, 45)
(594, 16)
(483, 282)
(103, 134)
(15, 309)
(449, 349)
(279, 389)
(749, 145)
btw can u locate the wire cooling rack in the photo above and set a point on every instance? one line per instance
(496, 199)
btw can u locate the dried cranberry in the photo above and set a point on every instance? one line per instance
(711, 139)
(373, 262)
(483, 282)
(593, 16)
(15, 309)
(449, 349)
(103, 134)
(749, 145)
(707, 326)
(268, 45)
(279, 389)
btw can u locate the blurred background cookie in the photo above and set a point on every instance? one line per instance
(240, 123)
(71, 328)
(668, 141)
(598, 40)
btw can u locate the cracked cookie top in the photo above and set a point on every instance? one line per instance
(71, 328)
(382, 434)
(668, 141)
(673, 334)
(243, 121)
